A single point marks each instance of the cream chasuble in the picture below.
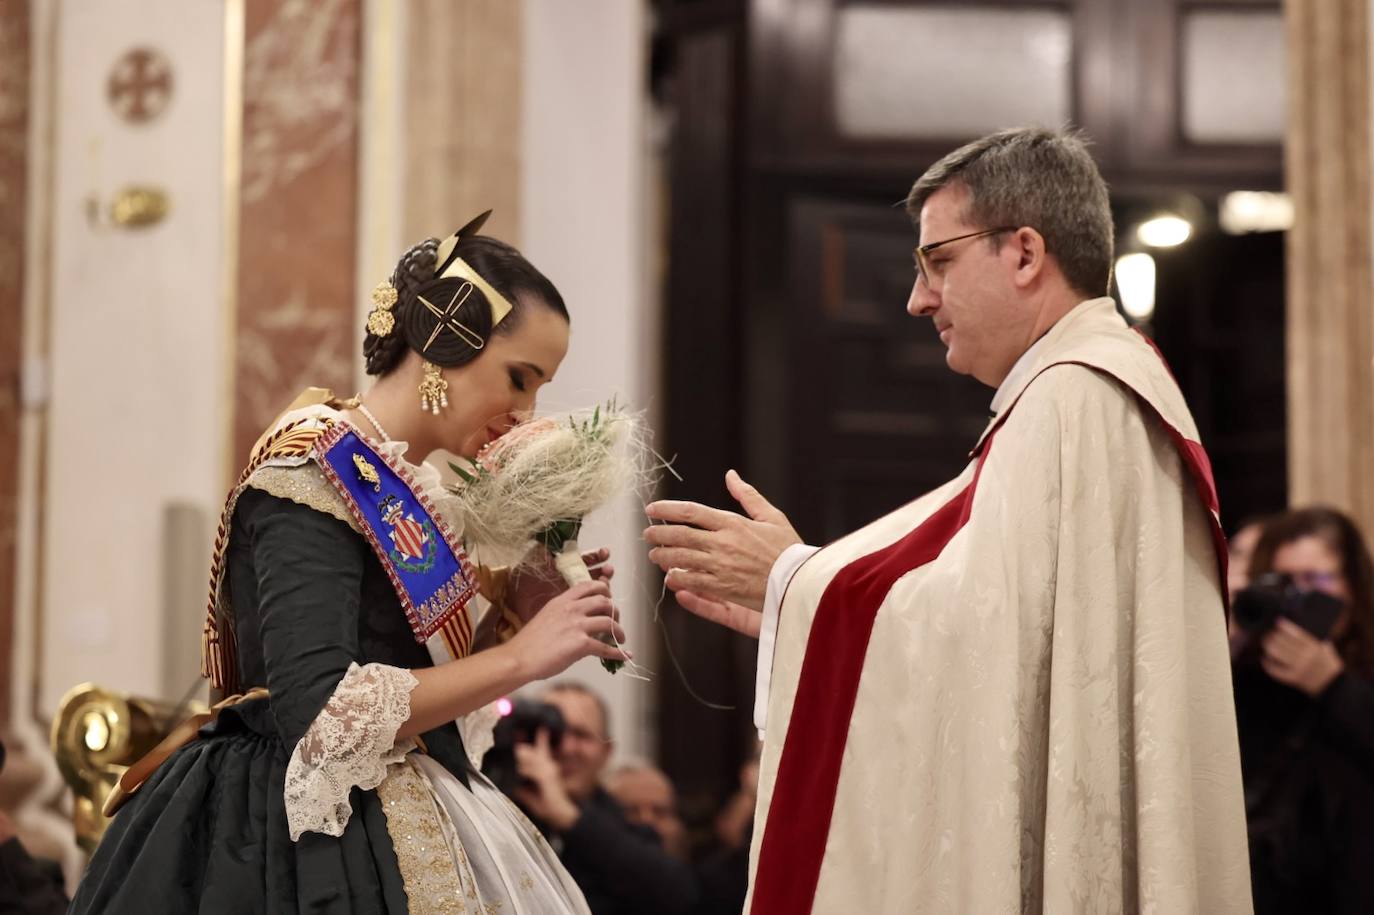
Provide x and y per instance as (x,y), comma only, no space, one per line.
(1014,694)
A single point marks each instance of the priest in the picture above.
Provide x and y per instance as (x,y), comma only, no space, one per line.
(1013,693)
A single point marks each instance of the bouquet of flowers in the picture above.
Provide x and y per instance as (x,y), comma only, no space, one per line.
(533,486)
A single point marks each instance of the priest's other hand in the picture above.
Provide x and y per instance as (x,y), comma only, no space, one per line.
(718,561)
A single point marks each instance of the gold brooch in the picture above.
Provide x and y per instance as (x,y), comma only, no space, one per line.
(366,472)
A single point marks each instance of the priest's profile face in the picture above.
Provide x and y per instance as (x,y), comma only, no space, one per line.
(969,283)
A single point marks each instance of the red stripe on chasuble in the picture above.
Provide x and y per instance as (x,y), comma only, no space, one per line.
(798,825)
(1200,467)
(1195,460)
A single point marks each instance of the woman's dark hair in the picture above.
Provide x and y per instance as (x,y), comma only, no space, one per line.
(1338,532)
(505,270)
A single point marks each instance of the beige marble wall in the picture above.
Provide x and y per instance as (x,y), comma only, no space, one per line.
(127,396)
(295,318)
(585,224)
(462,104)
(1330,331)
(14,108)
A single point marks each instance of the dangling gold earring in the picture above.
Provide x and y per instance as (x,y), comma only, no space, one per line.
(433,389)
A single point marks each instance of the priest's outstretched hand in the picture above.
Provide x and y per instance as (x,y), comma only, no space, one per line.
(718,561)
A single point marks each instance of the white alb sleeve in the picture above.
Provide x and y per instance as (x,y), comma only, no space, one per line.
(783,569)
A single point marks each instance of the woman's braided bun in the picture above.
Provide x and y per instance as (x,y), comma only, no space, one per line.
(504,269)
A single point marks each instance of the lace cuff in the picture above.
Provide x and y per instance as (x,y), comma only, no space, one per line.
(351,742)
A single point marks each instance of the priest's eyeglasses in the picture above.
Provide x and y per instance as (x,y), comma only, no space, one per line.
(934,270)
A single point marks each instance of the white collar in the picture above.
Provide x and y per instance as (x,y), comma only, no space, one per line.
(1029,362)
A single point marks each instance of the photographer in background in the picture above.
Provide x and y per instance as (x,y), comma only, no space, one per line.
(1304,681)
(621,868)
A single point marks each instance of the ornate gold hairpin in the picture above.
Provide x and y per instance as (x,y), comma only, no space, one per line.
(447,319)
(461,269)
(381,320)
(453,267)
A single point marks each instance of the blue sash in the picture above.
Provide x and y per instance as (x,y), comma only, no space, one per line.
(424,560)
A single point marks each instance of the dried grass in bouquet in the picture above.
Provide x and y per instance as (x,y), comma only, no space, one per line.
(536,483)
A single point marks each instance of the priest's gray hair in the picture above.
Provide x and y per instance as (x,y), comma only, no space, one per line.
(1036,177)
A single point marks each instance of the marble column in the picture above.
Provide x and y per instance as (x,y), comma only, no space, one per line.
(462,109)
(295,309)
(14,122)
(1330,332)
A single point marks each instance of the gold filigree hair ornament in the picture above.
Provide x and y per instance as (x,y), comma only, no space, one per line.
(380,321)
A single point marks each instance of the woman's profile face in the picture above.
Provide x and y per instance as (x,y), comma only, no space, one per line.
(496,390)
(1313,565)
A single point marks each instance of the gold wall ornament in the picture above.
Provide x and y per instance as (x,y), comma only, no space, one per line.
(97,734)
(140,85)
(137,207)
(433,389)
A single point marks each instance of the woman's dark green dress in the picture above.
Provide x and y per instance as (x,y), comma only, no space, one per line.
(208,832)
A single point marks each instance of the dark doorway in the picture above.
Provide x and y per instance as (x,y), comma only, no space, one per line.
(1219,321)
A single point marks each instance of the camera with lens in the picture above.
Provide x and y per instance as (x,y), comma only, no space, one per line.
(1273,595)
(526,719)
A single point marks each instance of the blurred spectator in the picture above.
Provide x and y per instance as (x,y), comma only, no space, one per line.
(622,868)
(1240,547)
(724,872)
(647,797)
(28,885)
(735,821)
(1305,711)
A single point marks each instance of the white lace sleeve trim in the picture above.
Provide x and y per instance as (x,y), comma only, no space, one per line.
(351,742)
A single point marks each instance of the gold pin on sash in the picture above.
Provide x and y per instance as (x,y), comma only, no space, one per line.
(366,472)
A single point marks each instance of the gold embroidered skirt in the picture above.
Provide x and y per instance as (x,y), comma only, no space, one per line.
(470,850)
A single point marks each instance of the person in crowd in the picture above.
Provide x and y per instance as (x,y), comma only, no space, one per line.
(648,798)
(1240,547)
(724,870)
(1305,711)
(622,868)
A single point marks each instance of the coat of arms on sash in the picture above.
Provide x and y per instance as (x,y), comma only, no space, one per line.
(422,557)
(412,541)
